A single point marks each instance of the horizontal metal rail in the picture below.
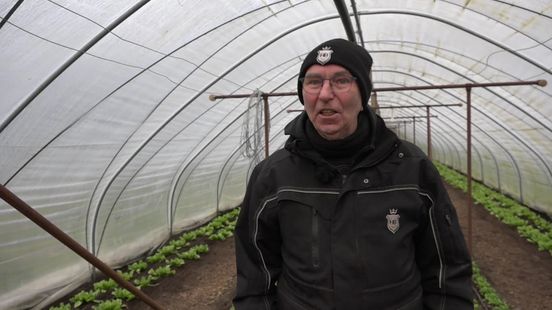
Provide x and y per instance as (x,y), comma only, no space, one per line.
(541,83)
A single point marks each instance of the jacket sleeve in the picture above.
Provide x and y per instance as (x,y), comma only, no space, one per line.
(442,252)
(257,241)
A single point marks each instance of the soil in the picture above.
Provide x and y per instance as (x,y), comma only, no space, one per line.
(520,274)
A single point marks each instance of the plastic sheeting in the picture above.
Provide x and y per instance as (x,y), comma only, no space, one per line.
(107,130)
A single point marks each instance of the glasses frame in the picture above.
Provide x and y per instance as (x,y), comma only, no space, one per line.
(332,81)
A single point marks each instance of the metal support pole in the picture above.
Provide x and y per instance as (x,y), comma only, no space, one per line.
(469,167)
(399,129)
(266,124)
(57,233)
(428,134)
(414,117)
(345,19)
(357,20)
(414,129)
(10,13)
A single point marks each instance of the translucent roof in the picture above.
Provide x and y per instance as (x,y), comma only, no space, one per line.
(106,127)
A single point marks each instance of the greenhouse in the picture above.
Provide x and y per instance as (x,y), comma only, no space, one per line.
(124,124)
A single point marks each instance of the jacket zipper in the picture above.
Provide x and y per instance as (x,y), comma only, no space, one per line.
(315,251)
(438,247)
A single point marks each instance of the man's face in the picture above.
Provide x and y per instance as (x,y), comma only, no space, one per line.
(333,114)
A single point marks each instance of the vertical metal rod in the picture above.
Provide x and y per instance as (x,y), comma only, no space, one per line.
(359,28)
(266,124)
(413,129)
(428,133)
(469,167)
(57,233)
(345,19)
(399,130)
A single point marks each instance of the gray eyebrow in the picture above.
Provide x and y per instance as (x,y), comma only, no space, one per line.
(339,73)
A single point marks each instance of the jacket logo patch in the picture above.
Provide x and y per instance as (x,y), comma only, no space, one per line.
(324,55)
(393,220)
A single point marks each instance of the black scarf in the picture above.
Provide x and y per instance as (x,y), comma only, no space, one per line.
(336,157)
(343,151)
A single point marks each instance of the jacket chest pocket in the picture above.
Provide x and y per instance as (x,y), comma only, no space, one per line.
(305,226)
(386,222)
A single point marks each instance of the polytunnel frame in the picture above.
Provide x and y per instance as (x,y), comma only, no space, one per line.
(53,77)
(456,140)
(10,13)
(505,150)
(43,86)
(392,42)
(468,79)
(514,163)
(320,20)
(240,146)
(484,38)
(406,119)
(5,123)
(95,40)
(58,72)
(176,179)
(468,87)
(105,31)
(464,29)
(146,141)
(537,154)
(478,61)
(429,141)
(342,12)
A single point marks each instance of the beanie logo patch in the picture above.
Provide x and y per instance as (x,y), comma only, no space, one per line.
(324,55)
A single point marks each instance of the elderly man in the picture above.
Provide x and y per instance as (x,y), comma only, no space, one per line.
(347,216)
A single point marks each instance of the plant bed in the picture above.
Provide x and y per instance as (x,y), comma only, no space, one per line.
(519,274)
(529,224)
(106,294)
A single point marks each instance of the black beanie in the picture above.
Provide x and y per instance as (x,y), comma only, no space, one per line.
(346,54)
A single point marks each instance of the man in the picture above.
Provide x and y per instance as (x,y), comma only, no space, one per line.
(347,216)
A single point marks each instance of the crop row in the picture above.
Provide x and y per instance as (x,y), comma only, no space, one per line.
(108,295)
(528,223)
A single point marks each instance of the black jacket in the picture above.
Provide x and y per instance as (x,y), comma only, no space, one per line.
(385,236)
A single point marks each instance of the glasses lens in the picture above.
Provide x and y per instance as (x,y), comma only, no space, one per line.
(312,84)
(340,83)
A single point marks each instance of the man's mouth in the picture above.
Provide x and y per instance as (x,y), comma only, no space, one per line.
(327,112)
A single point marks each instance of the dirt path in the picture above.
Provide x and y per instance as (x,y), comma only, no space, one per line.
(206,284)
(516,269)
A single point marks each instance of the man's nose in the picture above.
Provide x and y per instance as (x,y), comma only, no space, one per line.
(326,92)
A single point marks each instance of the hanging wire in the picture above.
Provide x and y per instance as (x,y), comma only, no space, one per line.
(252,123)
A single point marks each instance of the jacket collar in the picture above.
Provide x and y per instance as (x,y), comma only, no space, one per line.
(381,142)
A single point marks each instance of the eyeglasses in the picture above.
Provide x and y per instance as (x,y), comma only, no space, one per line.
(339,83)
